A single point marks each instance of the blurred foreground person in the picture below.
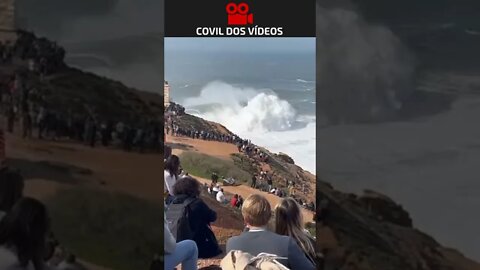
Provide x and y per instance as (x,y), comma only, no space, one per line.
(289,222)
(23,235)
(256,213)
(184,252)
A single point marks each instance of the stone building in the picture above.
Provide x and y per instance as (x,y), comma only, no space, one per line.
(166,94)
(7,21)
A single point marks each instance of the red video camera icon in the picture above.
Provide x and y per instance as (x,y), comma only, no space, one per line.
(237,14)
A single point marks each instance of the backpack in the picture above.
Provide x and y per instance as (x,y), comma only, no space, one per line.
(239,260)
(177,216)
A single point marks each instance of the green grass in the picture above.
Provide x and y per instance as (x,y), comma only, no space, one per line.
(108,229)
(204,165)
(244,163)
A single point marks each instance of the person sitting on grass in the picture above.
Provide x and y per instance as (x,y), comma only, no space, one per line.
(23,235)
(234,200)
(199,215)
(256,213)
(210,188)
(221,197)
(184,252)
(239,203)
(215,190)
(170,174)
(289,222)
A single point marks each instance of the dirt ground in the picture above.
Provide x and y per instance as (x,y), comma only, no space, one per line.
(51,166)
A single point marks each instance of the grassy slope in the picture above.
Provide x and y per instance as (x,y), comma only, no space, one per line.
(204,165)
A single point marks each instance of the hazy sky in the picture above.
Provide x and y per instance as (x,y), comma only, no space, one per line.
(240,44)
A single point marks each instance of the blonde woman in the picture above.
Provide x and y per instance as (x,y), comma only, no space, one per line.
(289,222)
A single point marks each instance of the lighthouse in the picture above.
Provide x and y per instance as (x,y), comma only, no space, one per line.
(8,32)
(166,95)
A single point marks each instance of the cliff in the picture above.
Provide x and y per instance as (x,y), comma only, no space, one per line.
(67,90)
(366,231)
(373,232)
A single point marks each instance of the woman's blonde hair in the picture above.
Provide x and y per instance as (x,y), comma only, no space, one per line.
(289,221)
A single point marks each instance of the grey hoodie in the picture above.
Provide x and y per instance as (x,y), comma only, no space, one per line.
(170,242)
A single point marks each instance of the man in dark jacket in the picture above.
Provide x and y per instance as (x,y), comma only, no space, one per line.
(254,181)
(200,217)
(256,213)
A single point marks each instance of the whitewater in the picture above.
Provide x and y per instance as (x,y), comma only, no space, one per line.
(261,116)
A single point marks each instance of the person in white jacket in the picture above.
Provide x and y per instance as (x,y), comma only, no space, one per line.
(221,197)
(184,252)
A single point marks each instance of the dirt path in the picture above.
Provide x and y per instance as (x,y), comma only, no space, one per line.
(74,164)
(217,149)
(246,191)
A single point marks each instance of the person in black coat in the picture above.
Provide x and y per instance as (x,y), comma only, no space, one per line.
(200,216)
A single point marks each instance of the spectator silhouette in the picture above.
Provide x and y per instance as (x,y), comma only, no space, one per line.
(200,216)
(256,213)
(184,252)
(11,189)
(23,233)
(289,222)
(172,166)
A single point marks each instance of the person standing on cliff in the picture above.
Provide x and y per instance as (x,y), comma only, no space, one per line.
(254,181)
(269,182)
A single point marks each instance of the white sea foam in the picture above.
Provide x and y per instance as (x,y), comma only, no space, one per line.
(261,116)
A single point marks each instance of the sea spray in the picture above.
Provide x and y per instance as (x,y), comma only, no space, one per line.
(364,72)
(261,116)
(244,109)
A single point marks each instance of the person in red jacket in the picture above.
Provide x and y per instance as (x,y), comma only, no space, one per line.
(234,200)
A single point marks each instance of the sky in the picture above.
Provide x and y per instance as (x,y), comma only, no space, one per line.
(275,45)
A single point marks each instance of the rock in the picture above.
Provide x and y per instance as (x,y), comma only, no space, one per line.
(284,157)
(385,208)
(364,242)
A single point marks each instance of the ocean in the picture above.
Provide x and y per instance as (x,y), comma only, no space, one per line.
(429,166)
(267,97)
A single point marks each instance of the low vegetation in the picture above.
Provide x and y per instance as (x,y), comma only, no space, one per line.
(244,163)
(204,165)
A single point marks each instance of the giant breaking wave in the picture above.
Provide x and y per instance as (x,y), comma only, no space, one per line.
(261,116)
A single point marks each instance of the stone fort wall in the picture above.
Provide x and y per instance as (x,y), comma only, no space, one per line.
(7,21)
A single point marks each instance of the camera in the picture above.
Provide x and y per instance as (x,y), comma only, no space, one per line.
(238,14)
